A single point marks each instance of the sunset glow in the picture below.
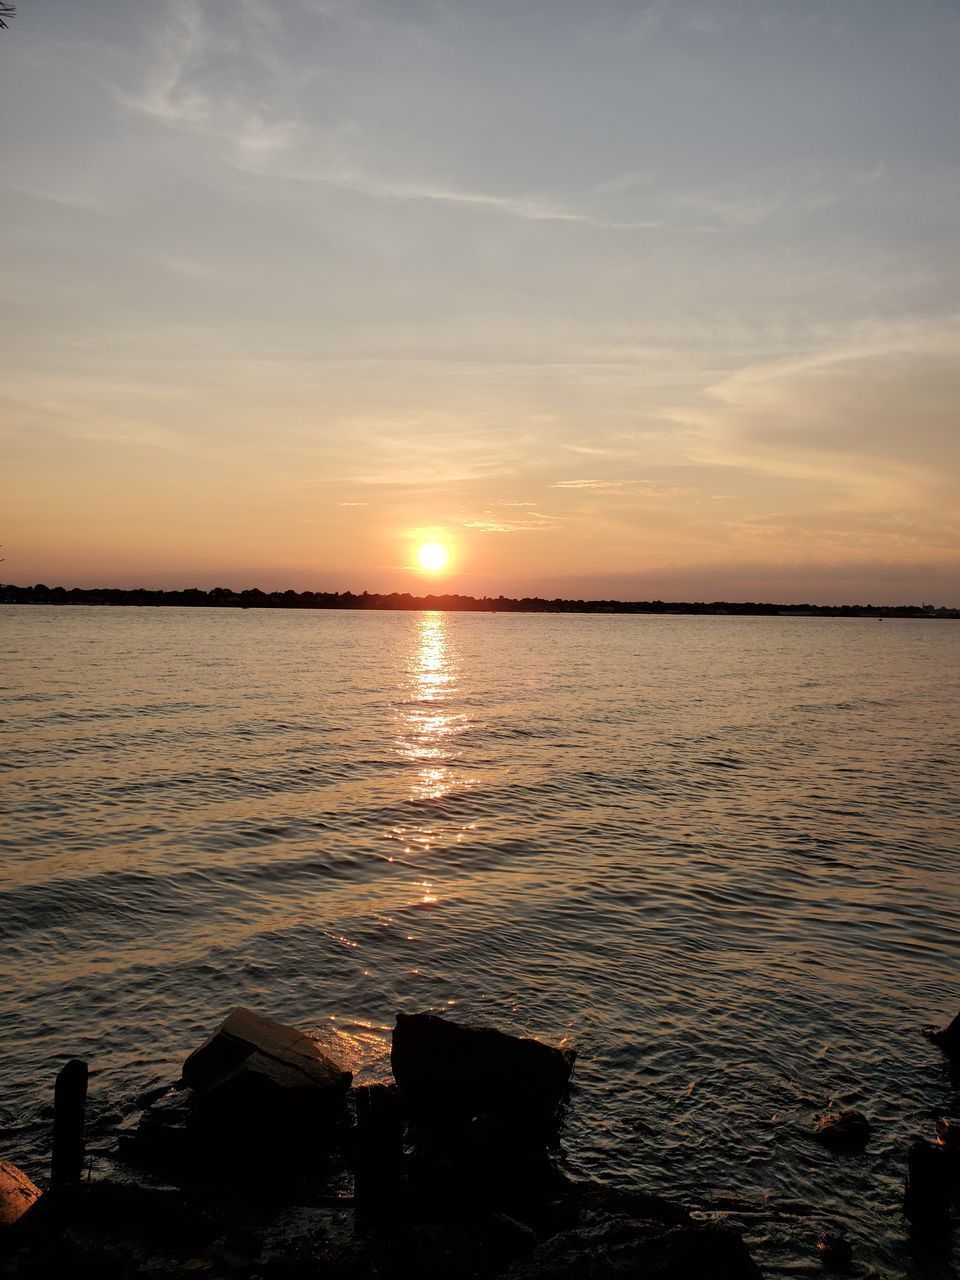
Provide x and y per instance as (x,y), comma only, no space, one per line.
(433,557)
(675,320)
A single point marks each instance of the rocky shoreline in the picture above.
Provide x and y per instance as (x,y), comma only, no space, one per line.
(265,1160)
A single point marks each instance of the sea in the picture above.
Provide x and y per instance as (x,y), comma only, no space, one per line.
(719,855)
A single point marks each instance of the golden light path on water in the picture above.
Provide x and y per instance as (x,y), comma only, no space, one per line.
(428,729)
(426,744)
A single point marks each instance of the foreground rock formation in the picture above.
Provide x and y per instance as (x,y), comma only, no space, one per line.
(452,1074)
(255,1088)
(454,1171)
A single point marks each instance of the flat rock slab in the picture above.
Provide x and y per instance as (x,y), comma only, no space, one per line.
(249,1043)
(17,1194)
(447,1070)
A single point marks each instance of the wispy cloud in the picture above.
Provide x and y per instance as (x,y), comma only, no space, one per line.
(179,89)
(637,488)
(535,523)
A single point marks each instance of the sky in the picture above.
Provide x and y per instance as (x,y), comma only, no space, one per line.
(638,300)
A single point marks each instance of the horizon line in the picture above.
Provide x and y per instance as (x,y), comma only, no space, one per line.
(227,597)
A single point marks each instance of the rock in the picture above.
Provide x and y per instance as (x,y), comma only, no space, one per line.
(596,1198)
(504,1240)
(261,1086)
(926,1200)
(158,1217)
(620,1249)
(834,1250)
(441,1250)
(17,1194)
(448,1072)
(255,1091)
(247,1043)
(843,1130)
(166,1136)
(948,1136)
(948,1038)
(378,1152)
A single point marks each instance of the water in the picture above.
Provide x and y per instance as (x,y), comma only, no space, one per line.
(718,854)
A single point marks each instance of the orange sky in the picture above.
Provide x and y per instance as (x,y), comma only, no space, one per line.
(648,304)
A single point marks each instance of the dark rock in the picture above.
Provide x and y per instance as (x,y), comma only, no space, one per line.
(623,1249)
(166,1137)
(504,1240)
(17,1194)
(598,1198)
(452,1184)
(449,1073)
(244,1243)
(378,1151)
(835,1251)
(157,1217)
(255,1090)
(843,1130)
(948,1038)
(150,1096)
(948,1136)
(248,1044)
(433,1251)
(475,1247)
(926,1199)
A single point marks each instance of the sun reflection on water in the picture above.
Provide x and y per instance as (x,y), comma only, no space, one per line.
(430,723)
(429,726)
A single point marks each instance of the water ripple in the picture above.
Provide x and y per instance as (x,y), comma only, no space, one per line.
(719,854)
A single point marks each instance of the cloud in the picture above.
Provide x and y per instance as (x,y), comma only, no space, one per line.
(638,488)
(872,423)
(198,80)
(536,523)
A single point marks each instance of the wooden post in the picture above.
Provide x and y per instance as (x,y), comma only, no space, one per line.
(69,1100)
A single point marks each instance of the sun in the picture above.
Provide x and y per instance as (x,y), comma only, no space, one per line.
(433,556)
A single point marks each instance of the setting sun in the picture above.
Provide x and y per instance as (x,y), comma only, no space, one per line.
(433,556)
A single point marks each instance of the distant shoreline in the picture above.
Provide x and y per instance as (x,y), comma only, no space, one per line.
(254,598)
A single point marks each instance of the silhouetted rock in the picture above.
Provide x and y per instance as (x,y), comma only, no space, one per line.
(378,1151)
(448,1072)
(948,1038)
(158,1217)
(166,1138)
(834,1250)
(504,1240)
(926,1199)
(247,1044)
(843,1130)
(17,1194)
(948,1136)
(266,1083)
(438,1251)
(255,1088)
(624,1249)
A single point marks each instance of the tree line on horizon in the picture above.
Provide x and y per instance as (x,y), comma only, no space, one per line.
(254,598)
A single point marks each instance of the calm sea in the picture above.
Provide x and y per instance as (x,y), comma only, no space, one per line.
(718,854)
